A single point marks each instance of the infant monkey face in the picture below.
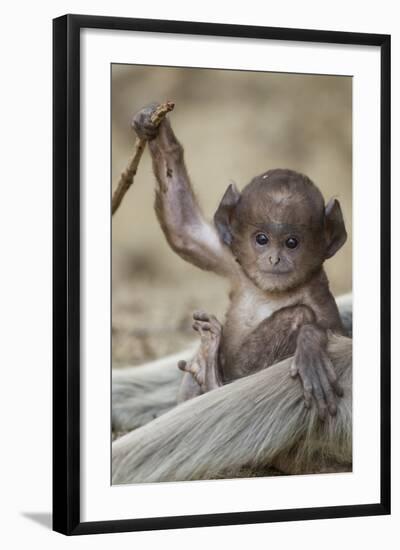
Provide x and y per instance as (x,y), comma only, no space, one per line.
(277,246)
(280,255)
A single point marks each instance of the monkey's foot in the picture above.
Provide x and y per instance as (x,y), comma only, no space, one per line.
(204,365)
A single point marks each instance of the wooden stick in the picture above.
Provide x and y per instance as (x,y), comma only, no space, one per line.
(128,175)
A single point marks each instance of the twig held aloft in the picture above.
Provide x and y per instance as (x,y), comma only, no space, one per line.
(128,175)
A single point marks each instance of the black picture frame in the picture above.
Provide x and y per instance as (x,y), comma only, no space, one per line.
(66,272)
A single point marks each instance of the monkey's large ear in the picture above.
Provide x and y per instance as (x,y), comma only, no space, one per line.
(222,216)
(336,234)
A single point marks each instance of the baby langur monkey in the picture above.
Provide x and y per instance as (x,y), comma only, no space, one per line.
(271,241)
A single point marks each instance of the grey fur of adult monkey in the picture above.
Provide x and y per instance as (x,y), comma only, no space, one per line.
(253,423)
(270,241)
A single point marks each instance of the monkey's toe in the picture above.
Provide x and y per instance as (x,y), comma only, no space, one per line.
(206,322)
(201,316)
(201,326)
(182,365)
(208,329)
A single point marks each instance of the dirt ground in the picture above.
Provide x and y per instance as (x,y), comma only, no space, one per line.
(233,126)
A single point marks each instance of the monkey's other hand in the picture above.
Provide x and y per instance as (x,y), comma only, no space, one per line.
(319,379)
(142,124)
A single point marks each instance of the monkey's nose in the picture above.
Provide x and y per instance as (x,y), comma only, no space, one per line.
(274,260)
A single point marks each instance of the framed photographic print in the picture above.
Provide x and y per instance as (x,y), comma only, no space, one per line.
(221,274)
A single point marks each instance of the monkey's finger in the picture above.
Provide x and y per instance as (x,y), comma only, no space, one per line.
(332,377)
(339,390)
(146,113)
(307,393)
(320,399)
(145,132)
(293,369)
(201,316)
(328,391)
(149,127)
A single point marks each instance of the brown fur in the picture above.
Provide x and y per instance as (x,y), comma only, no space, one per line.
(280,301)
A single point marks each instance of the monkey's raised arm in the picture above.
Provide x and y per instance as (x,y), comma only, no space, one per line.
(181,219)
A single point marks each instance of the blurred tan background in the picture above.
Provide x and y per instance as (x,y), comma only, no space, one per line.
(233,125)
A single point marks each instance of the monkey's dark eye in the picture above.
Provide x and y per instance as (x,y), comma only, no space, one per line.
(291,242)
(261,239)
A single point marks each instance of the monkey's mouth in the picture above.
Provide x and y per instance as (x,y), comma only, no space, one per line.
(276,272)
